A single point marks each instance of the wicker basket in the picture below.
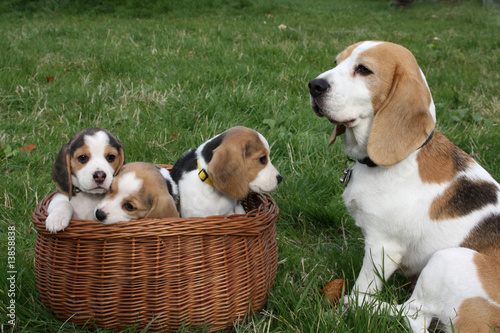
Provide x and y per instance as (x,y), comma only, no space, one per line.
(159,273)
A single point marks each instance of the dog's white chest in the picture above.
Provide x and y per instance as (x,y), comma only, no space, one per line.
(84,205)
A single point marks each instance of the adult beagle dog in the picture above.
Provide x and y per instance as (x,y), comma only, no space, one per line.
(140,190)
(83,172)
(222,171)
(424,205)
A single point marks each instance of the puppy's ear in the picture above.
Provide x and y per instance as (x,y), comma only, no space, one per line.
(228,171)
(403,122)
(121,158)
(338,130)
(163,206)
(61,171)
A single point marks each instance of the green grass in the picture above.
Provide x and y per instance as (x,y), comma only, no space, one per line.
(164,77)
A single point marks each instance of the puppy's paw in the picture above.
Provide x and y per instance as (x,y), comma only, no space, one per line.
(58,220)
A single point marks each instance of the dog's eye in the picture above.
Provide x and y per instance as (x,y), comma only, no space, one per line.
(362,70)
(263,159)
(128,206)
(110,158)
(83,159)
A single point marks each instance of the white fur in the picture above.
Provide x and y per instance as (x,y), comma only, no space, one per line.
(391,205)
(205,200)
(61,210)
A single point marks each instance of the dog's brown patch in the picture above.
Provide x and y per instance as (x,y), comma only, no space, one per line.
(440,160)
(477,315)
(119,157)
(462,197)
(488,269)
(75,164)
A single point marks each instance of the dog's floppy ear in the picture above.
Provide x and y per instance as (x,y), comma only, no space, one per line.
(61,171)
(403,122)
(121,158)
(163,206)
(338,130)
(228,171)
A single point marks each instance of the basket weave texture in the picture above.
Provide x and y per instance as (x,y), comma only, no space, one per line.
(159,273)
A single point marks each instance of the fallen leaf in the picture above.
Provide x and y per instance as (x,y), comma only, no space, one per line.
(27,148)
(50,79)
(333,291)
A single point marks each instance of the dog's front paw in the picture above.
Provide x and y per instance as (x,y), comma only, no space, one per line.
(58,220)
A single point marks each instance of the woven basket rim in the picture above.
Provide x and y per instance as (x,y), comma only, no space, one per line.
(250,224)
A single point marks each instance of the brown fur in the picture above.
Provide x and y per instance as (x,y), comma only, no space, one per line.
(476,315)
(440,160)
(235,163)
(401,103)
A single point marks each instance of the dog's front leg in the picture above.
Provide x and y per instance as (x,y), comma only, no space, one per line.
(59,212)
(379,262)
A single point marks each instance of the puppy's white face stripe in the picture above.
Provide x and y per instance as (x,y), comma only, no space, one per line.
(97,144)
(128,185)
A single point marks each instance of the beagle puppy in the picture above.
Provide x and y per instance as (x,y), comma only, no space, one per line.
(83,172)
(424,205)
(140,190)
(222,171)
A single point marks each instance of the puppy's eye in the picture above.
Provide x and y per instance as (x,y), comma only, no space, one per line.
(362,70)
(83,159)
(110,158)
(128,206)
(263,159)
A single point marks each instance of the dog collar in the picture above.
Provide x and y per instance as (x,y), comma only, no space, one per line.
(203,174)
(368,162)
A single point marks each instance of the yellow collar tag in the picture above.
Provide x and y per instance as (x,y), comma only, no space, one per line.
(204,175)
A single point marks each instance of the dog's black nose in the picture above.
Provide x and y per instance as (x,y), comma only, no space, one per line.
(100,215)
(318,87)
(279,178)
(99,177)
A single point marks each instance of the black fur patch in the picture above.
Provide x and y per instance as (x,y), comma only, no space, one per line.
(436,326)
(186,163)
(472,195)
(211,145)
(485,235)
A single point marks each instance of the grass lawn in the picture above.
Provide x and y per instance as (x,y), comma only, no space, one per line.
(166,77)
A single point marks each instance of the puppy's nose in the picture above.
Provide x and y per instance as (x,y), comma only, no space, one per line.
(279,178)
(100,215)
(99,177)
(318,87)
